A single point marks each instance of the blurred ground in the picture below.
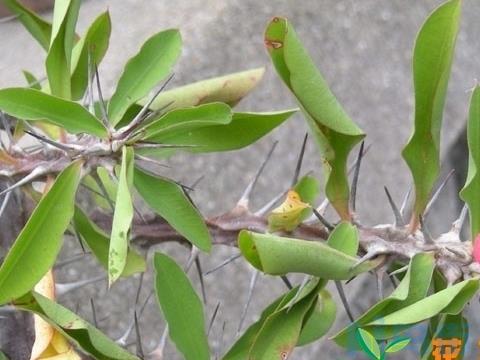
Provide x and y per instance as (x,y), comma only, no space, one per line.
(364,51)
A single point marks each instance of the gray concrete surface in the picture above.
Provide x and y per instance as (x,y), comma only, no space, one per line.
(364,50)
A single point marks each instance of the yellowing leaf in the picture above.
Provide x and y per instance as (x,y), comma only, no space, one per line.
(49,343)
(289,214)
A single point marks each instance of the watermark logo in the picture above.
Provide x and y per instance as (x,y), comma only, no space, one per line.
(446,349)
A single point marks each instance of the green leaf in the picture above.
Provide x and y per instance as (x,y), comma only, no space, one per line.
(413,287)
(182,309)
(229,89)
(277,331)
(31,80)
(33,105)
(58,62)
(99,243)
(122,218)
(277,255)
(471,191)
(308,188)
(169,201)
(94,42)
(180,121)
(243,130)
(344,238)
(397,345)
(77,330)
(432,60)
(368,343)
(3,356)
(38,28)
(37,246)
(448,301)
(145,70)
(334,131)
(320,320)
(448,327)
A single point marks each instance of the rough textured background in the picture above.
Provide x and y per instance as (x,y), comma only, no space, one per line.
(364,50)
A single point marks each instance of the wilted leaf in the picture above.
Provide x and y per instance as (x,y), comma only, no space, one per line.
(180,121)
(169,201)
(80,332)
(30,104)
(122,218)
(432,60)
(145,70)
(93,43)
(288,215)
(334,131)
(471,191)
(181,308)
(277,255)
(99,243)
(36,247)
(229,89)
(38,28)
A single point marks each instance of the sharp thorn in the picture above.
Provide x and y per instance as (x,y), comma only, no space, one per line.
(141,114)
(343,298)
(457,224)
(198,266)
(5,202)
(103,107)
(138,345)
(150,160)
(368,256)
(191,259)
(39,171)
(437,194)
(245,198)
(298,167)
(268,206)
(157,353)
(196,182)
(220,341)
(398,216)
(253,281)
(104,191)
(287,282)
(212,319)
(324,221)
(356,173)
(399,271)
(6,127)
(9,18)
(403,207)
(148,145)
(223,263)
(379,277)
(426,234)
(48,141)
(71,260)
(94,313)
(90,73)
(62,289)
(304,283)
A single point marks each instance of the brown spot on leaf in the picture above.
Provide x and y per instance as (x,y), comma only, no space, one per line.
(273,44)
